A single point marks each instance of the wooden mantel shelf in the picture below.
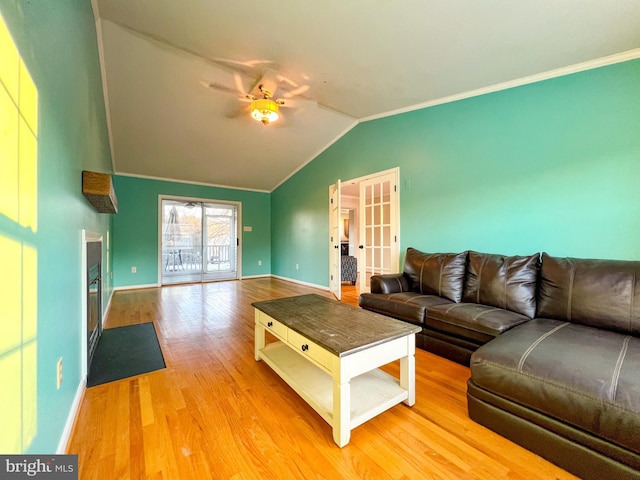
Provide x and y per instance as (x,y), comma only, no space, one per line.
(98,189)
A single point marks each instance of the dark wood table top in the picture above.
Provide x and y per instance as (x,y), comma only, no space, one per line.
(340,328)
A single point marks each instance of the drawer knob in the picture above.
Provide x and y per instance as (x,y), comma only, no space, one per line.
(269,324)
(305,347)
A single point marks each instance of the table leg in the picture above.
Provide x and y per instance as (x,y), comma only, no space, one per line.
(259,340)
(341,412)
(408,371)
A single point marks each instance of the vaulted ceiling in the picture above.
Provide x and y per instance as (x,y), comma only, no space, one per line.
(176,73)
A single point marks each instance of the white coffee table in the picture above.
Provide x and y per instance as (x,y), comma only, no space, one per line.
(329,353)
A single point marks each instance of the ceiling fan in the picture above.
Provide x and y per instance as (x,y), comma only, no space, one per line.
(265,107)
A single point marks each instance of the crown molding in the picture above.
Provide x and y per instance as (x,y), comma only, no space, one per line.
(539,77)
(174,180)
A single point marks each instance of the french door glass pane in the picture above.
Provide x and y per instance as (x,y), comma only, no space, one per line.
(378,239)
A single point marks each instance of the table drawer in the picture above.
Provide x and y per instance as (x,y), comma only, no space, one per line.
(310,349)
(273,325)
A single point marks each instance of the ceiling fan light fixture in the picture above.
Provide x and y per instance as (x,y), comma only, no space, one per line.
(264,110)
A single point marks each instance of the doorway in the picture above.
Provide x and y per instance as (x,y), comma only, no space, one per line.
(199,240)
(94,296)
(368,219)
(92,280)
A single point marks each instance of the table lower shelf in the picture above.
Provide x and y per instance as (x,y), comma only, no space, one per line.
(371,393)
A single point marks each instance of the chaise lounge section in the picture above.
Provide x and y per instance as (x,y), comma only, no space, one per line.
(566,385)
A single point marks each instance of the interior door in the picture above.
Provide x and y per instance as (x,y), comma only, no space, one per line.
(379,242)
(334,239)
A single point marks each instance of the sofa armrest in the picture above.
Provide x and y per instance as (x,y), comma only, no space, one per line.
(390,283)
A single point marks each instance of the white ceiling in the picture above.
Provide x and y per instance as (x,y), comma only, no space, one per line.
(360,59)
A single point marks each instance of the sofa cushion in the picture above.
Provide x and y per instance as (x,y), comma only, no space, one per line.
(504,282)
(471,321)
(408,306)
(439,274)
(583,376)
(599,293)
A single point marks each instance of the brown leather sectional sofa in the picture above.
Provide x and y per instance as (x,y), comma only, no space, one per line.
(553,346)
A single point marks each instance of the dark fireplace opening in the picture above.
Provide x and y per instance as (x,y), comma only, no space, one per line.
(94,297)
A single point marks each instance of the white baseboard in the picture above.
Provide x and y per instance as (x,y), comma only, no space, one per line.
(105,314)
(286,279)
(63,444)
(136,287)
(300,282)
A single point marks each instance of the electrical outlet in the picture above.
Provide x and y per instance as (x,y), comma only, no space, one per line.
(134,269)
(259,263)
(59,374)
(297,267)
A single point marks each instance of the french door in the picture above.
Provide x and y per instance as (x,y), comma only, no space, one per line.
(379,211)
(199,241)
(378,202)
(334,240)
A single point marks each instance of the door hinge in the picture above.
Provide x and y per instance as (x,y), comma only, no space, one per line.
(331,201)
(331,277)
(395,188)
(332,239)
(237,242)
(395,238)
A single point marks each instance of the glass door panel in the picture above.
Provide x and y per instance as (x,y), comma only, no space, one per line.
(181,242)
(220,239)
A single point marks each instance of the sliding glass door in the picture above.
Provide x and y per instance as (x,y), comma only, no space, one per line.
(199,241)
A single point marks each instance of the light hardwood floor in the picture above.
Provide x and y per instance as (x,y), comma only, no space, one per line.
(216,413)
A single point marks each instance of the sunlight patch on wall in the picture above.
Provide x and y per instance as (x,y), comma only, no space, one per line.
(18,345)
(18,256)
(18,127)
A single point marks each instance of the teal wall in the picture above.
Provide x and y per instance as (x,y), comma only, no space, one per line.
(135,228)
(552,166)
(57,43)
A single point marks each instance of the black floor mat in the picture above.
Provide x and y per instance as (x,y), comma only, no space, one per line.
(124,352)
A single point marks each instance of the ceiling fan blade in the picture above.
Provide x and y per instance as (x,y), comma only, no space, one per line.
(301,103)
(298,91)
(218,86)
(237,110)
(239,84)
(248,67)
(287,80)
